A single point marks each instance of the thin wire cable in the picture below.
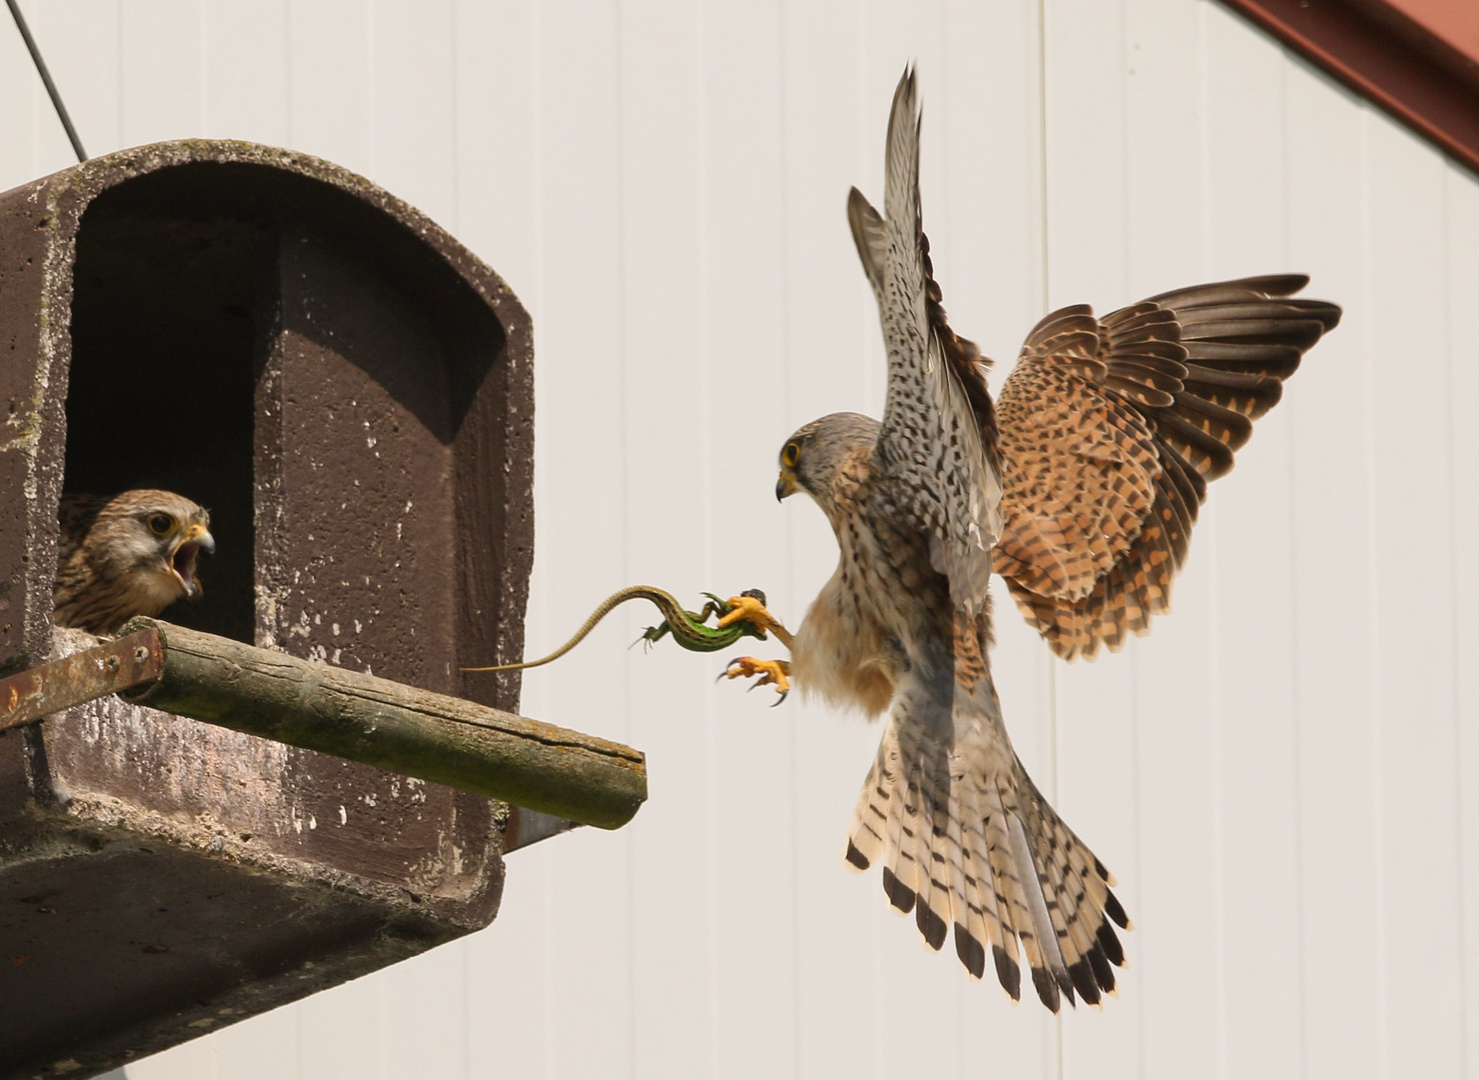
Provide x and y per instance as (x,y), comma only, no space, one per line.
(56,98)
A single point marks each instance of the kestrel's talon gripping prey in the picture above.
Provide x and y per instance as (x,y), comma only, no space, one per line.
(772,673)
(747,607)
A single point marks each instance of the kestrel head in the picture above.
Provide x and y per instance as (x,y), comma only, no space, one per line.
(812,458)
(126,555)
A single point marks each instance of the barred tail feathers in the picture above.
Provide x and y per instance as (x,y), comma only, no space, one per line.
(969,845)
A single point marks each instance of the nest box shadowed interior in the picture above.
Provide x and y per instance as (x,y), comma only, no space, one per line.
(349,392)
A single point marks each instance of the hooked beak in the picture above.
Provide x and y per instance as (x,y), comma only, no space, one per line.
(786,485)
(182,560)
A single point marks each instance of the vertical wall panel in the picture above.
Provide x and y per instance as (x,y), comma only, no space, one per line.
(246,70)
(341,1033)
(413,102)
(1461,201)
(1414,600)
(21,87)
(1342,944)
(1246,167)
(586,918)
(1084,108)
(665,426)
(330,47)
(161,90)
(270,1046)
(751,839)
(496,65)
(80,41)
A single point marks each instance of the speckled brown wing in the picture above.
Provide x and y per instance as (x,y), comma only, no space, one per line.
(1109,430)
(932,457)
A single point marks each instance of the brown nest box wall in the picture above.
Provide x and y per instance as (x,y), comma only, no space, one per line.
(349,391)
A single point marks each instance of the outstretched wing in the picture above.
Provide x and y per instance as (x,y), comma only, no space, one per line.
(1109,431)
(969,845)
(932,457)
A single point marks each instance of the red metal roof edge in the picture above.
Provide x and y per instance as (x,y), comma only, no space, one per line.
(1374,48)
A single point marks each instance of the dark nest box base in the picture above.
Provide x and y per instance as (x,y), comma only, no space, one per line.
(349,392)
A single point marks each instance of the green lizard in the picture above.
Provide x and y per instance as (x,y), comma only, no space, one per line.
(740,616)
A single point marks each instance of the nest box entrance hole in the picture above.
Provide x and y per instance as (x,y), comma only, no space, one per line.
(166,348)
(330,388)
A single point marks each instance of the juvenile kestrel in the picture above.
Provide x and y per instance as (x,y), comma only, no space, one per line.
(126,555)
(1080,488)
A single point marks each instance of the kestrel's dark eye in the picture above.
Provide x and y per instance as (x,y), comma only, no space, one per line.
(161,524)
(791,454)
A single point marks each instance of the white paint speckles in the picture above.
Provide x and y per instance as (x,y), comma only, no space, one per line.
(343,816)
(334,629)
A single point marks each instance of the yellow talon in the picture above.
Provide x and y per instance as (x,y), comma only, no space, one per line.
(772,673)
(751,609)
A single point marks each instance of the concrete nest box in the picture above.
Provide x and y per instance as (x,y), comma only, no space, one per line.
(349,392)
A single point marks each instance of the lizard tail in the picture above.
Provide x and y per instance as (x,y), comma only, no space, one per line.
(666,603)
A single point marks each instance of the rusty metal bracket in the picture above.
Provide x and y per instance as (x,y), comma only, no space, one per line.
(122,664)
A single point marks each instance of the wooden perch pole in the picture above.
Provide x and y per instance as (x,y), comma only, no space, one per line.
(429,736)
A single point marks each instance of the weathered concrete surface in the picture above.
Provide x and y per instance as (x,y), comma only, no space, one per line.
(350,392)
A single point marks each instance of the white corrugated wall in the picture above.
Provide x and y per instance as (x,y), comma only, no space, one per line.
(1284,775)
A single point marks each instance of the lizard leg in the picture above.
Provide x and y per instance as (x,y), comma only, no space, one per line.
(772,673)
(751,609)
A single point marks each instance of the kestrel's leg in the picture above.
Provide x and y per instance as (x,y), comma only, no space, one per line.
(772,673)
(751,609)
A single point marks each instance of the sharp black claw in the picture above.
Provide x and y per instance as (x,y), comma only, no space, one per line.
(780,699)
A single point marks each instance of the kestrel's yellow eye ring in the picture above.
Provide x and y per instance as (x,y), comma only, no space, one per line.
(161,524)
(790,455)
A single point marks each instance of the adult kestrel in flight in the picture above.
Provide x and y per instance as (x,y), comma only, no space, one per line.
(1079,487)
(126,555)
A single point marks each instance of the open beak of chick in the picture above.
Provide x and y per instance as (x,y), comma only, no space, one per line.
(193,541)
